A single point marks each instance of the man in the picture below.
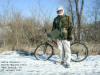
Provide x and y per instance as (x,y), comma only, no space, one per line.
(64,24)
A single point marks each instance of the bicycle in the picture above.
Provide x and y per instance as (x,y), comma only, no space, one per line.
(44,51)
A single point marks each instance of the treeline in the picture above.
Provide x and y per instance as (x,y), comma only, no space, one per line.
(89,32)
(18,31)
(28,31)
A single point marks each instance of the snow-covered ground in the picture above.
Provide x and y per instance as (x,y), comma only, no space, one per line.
(11,63)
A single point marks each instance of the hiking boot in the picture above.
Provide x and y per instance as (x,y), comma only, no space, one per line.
(67,65)
(59,62)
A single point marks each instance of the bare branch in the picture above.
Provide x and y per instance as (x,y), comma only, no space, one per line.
(81,12)
(72,14)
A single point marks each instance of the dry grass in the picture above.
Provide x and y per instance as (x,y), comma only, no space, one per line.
(94,49)
(10,48)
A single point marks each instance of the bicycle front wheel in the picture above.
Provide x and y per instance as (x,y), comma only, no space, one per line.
(79,51)
(43,51)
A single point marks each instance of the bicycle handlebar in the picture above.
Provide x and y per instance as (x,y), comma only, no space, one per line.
(45,30)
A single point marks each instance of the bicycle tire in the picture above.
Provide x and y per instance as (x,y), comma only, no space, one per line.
(80,57)
(48,53)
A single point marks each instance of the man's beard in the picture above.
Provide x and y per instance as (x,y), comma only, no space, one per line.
(61,13)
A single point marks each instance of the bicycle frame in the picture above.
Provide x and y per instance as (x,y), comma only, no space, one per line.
(51,43)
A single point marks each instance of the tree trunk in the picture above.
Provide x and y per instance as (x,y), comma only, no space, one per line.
(79,15)
(71,10)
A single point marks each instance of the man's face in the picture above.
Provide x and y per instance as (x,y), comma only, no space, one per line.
(60,12)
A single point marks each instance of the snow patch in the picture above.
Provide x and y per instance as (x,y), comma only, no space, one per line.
(28,65)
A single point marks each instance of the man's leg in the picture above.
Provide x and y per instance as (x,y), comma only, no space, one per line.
(67,50)
(60,51)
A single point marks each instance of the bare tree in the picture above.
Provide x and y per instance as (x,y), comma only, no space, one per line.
(79,15)
(74,5)
(71,10)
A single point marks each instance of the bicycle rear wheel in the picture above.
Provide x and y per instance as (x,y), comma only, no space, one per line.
(79,51)
(43,51)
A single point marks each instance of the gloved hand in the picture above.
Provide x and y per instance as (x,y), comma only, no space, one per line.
(70,28)
(69,38)
(62,35)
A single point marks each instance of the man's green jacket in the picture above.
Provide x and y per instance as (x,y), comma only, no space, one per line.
(64,24)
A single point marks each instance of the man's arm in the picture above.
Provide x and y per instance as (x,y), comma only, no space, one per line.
(54,25)
(70,30)
(70,25)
